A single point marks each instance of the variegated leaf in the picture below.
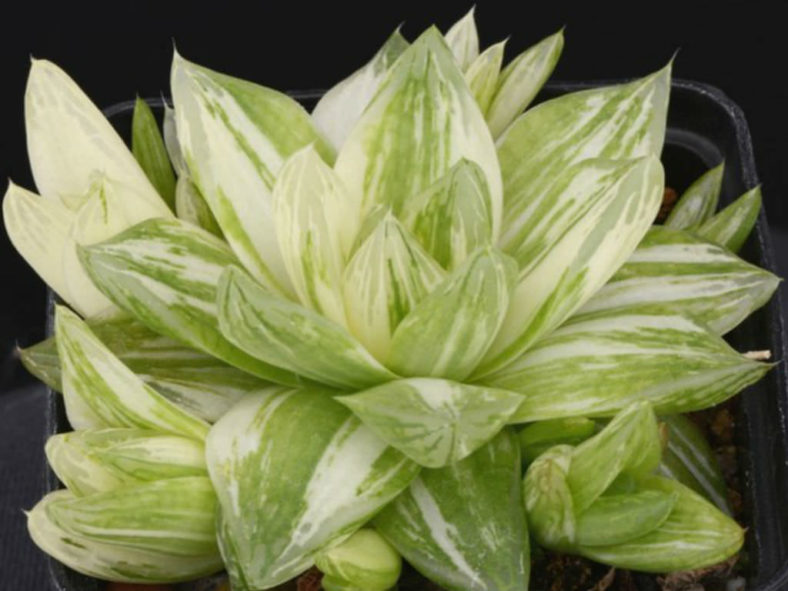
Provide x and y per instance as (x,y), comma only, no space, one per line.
(195,381)
(695,535)
(463,40)
(68,140)
(673,272)
(164,273)
(422,120)
(148,148)
(386,277)
(338,110)
(614,122)
(521,80)
(170,133)
(699,202)
(191,207)
(536,438)
(463,526)
(99,391)
(688,458)
(235,136)
(133,534)
(364,561)
(99,460)
(601,365)
(453,217)
(731,226)
(289,336)
(434,422)
(284,496)
(607,207)
(448,332)
(483,74)
(316,222)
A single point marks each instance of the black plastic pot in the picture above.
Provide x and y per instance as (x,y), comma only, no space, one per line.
(704,127)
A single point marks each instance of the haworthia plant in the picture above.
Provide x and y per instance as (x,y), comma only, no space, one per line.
(286,497)
(363,562)
(463,526)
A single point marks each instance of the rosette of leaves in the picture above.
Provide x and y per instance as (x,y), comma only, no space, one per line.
(364,298)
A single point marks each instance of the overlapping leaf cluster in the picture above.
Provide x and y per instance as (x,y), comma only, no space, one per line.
(364,302)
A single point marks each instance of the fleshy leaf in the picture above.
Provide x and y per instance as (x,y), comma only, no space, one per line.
(99,391)
(463,526)
(316,223)
(195,381)
(521,80)
(613,122)
(620,200)
(164,273)
(538,437)
(434,422)
(731,226)
(289,336)
(447,333)
(271,527)
(235,136)
(453,217)
(148,148)
(68,140)
(483,74)
(601,365)
(133,534)
(170,133)
(422,120)
(99,460)
(386,277)
(338,110)
(673,272)
(699,202)
(463,40)
(191,207)
(365,562)
(689,459)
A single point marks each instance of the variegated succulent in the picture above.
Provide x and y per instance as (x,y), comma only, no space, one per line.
(367,303)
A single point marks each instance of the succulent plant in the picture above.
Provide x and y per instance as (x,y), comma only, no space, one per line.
(367,303)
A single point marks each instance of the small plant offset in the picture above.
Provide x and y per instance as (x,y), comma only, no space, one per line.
(421,323)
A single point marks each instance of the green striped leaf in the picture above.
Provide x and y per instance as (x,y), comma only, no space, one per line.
(695,535)
(286,497)
(521,80)
(170,133)
(164,273)
(463,40)
(619,202)
(613,122)
(191,207)
(289,336)
(235,136)
(99,460)
(538,437)
(447,333)
(195,381)
(316,222)
(483,74)
(433,422)
(338,110)
(68,140)
(363,562)
(422,120)
(673,272)
(157,532)
(598,366)
(731,226)
(463,526)
(453,217)
(148,148)
(689,459)
(99,391)
(386,277)
(699,202)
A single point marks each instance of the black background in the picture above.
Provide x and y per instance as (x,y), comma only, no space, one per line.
(118,49)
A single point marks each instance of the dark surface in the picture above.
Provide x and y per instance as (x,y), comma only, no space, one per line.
(117,50)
